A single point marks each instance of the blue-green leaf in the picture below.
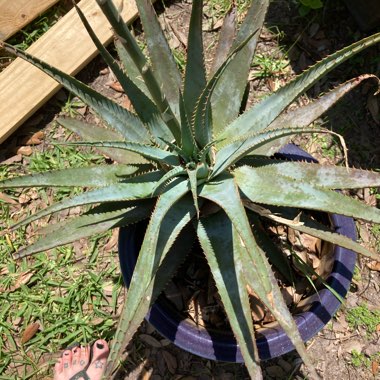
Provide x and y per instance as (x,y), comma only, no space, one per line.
(195,74)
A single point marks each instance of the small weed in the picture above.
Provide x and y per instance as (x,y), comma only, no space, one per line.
(71,106)
(33,31)
(268,67)
(362,316)
(358,359)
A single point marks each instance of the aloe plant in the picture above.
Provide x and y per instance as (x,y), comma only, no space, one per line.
(187,146)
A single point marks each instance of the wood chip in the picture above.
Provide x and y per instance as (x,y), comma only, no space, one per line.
(30,332)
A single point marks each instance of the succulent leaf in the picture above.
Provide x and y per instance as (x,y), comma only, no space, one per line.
(139,187)
(164,66)
(93,176)
(203,122)
(307,225)
(256,268)
(226,38)
(281,191)
(322,176)
(188,143)
(87,225)
(195,74)
(303,116)
(141,62)
(264,113)
(229,91)
(234,151)
(220,246)
(172,213)
(148,151)
(145,108)
(92,132)
(130,67)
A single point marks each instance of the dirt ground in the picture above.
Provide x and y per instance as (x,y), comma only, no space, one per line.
(305,40)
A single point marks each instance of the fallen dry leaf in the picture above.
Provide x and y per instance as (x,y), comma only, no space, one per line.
(148,339)
(12,160)
(25,150)
(30,332)
(23,198)
(35,139)
(171,361)
(375,368)
(112,242)
(116,86)
(7,199)
(374,265)
(22,279)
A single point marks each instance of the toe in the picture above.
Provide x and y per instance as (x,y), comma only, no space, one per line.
(76,355)
(58,368)
(83,357)
(100,352)
(66,361)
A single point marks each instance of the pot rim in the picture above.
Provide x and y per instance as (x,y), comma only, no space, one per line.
(272,341)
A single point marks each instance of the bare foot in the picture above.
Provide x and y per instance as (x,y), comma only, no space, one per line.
(75,363)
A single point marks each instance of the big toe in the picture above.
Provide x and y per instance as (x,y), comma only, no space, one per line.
(100,351)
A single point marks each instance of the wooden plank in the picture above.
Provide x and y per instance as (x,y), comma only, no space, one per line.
(15,14)
(67,46)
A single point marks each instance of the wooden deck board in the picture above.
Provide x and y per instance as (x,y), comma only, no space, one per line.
(24,88)
(15,14)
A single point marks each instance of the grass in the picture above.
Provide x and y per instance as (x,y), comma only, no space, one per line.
(60,291)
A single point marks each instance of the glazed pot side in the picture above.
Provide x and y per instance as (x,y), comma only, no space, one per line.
(272,342)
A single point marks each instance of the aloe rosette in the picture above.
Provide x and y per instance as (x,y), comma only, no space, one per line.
(195,166)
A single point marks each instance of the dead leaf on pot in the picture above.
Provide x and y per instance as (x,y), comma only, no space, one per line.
(30,332)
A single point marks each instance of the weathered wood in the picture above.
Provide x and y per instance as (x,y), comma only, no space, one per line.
(15,14)
(67,46)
